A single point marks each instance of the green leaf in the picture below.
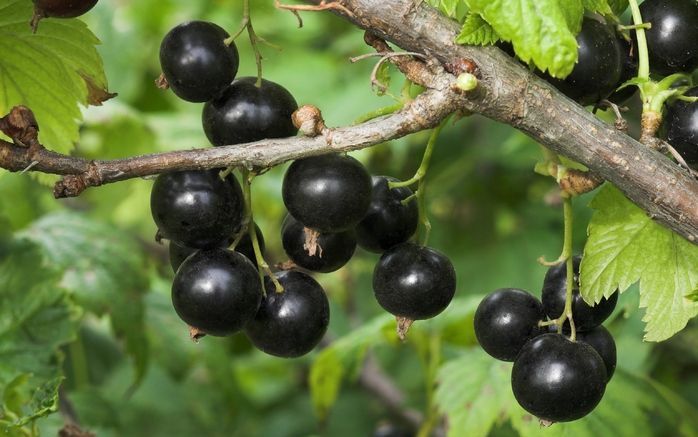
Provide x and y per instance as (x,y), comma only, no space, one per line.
(36,319)
(103,268)
(598,6)
(447,7)
(474,392)
(618,6)
(625,246)
(51,72)
(333,363)
(476,31)
(541,31)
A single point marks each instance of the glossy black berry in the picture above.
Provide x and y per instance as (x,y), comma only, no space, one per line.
(196,208)
(292,323)
(328,193)
(178,252)
(598,69)
(672,41)
(681,128)
(505,320)
(388,221)
(413,281)
(334,249)
(602,341)
(216,291)
(196,61)
(63,8)
(558,380)
(554,293)
(246,113)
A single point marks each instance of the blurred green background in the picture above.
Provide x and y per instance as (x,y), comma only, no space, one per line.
(130,368)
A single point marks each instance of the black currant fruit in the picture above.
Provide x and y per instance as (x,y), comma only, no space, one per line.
(554,293)
(598,69)
(245,113)
(505,320)
(333,250)
(602,341)
(413,281)
(291,323)
(558,380)
(328,193)
(216,291)
(672,41)
(178,252)
(196,61)
(681,128)
(388,221)
(63,8)
(197,208)
(628,57)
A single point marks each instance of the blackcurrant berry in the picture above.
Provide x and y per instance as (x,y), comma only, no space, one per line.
(672,39)
(197,208)
(63,8)
(388,221)
(291,323)
(245,113)
(681,128)
(216,291)
(554,294)
(505,320)
(602,341)
(558,380)
(598,69)
(328,193)
(196,61)
(333,250)
(178,252)
(413,281)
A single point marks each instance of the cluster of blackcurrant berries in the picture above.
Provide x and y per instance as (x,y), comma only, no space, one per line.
(554,377)
(607,60)
(333,204)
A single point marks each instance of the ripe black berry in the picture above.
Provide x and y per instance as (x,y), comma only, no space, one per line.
(602,341)
(196,61)
(505,320)
(413,281)
(333,250)
(197,208)
(328,193)
(558,380)
(178,252)
(216,291)
(671,41)
(553,297)
(598,69)
(246,113)
(388,222)
(63,8)
(292,323)
(681,128)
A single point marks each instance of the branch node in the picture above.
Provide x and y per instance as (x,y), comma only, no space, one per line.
(20,125)
(308,120)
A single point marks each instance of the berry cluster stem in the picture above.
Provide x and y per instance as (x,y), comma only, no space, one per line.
(247,177)
(567,253)
(643,71)
(419,178)
(254,38)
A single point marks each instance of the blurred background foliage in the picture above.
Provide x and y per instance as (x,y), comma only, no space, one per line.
(85,276)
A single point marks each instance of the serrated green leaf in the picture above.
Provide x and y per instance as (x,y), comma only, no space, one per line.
(36,319)
(103,268)
(541,31)
(598,6)
(618,6)
(625,246)
(476,31)
(474,392)
(51,72)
